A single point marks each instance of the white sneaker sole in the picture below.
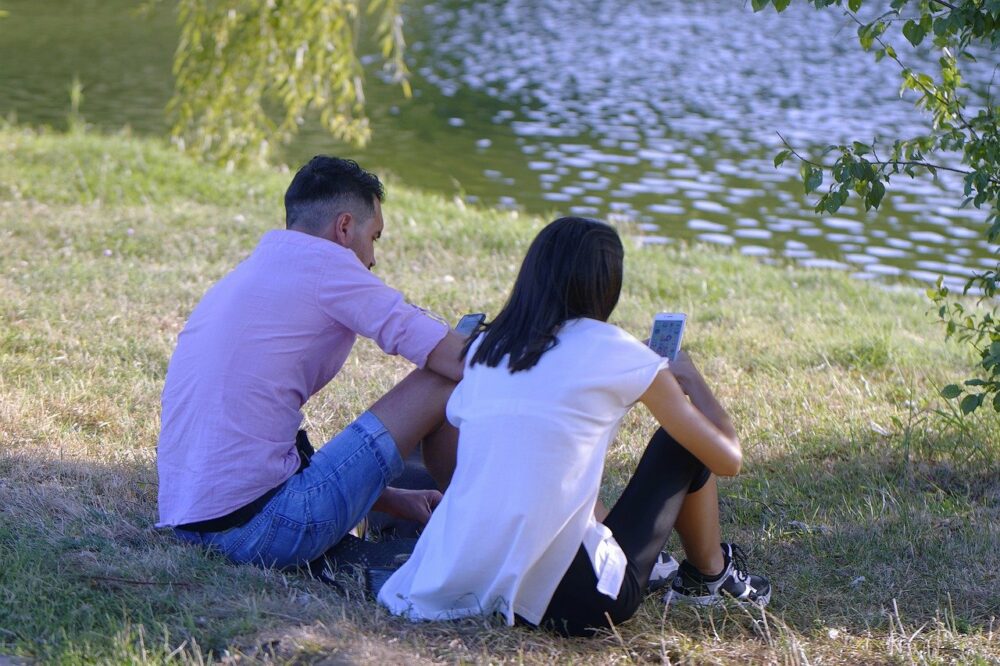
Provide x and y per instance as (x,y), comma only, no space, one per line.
(672,597)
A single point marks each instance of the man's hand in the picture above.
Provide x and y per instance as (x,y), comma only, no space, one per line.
(408,504)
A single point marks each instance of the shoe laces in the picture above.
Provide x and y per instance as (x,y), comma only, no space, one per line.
(739,559)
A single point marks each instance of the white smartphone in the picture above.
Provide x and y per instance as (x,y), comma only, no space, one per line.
(668,330)
(468,324)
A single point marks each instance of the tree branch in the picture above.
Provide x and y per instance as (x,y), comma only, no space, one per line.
(925,165)
(796,154)
(945,4)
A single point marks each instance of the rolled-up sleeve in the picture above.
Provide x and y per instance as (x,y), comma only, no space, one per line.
(357,299)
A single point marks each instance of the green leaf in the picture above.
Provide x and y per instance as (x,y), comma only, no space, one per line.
(970,403)
(865,37)
(875,194)
(781,5)
(926,22)
(951,391)
(940,25)
(780,158)
(813,179)
(855,5)
(759,4)
(996,402)
(914,32)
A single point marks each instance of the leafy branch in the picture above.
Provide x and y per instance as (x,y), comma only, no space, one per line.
(247,78)
(914,31)
(859,169)
(790,151)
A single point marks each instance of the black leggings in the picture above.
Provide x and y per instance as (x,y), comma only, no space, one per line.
(641,522)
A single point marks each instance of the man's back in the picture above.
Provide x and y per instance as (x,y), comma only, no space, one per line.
(261,342)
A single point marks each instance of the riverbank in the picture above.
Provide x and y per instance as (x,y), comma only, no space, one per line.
(876,520)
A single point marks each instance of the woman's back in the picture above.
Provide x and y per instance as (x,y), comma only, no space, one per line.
(530,461)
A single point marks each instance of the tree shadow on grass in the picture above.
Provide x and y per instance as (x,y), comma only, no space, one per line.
(857,542)
(86,577)
(86,574)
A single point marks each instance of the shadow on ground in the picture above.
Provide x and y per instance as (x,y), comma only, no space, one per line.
(853,542)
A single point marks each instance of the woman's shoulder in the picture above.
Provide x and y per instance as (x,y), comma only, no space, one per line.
(608,356)
(601,336)
(594,328)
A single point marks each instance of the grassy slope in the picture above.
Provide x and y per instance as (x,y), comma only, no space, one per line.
(106,243)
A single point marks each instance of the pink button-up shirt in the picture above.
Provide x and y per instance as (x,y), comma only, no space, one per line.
(263,340)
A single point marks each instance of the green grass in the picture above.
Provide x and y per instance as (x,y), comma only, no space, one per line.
(877,519)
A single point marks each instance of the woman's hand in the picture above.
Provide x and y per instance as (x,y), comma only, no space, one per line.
(408,504)
(685,372)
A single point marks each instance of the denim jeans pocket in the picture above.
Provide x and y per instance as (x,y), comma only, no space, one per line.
(289,543)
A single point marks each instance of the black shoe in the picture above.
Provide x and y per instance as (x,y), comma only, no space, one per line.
(691,586)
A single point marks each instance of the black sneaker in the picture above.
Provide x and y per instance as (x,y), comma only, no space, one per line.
(691,586)
(664,570)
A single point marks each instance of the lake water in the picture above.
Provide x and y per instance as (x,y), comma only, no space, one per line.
(663,113)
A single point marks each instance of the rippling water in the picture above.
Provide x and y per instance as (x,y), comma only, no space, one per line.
(668,113)
(663,113)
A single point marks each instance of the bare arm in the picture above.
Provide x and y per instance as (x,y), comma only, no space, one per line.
(446,358)
(701,425)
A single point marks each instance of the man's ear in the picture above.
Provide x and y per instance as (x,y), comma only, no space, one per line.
(342,228)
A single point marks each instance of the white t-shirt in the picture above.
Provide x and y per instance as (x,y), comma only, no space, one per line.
(530,459)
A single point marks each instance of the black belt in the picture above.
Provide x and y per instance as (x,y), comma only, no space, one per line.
(245,514)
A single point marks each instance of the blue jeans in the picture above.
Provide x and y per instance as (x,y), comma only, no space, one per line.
(317,506)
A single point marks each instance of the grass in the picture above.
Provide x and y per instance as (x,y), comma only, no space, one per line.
(876,518)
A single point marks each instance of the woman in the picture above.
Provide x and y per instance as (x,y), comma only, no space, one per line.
(545,387)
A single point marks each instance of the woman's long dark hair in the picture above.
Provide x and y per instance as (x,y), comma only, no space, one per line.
(573,269)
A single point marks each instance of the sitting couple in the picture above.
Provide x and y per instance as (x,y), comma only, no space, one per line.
(540,392)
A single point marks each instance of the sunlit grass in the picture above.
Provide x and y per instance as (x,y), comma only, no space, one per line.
(876,519)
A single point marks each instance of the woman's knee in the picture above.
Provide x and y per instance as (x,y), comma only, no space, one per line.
(678,457)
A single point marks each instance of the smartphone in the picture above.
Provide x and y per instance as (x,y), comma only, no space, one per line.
(375,578)
(668,329)
(468,324)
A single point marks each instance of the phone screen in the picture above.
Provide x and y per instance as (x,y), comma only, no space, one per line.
(668,330)
(469,322)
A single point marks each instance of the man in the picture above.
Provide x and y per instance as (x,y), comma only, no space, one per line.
(263,340)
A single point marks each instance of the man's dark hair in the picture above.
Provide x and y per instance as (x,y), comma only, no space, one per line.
(326,186)
(572,269)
